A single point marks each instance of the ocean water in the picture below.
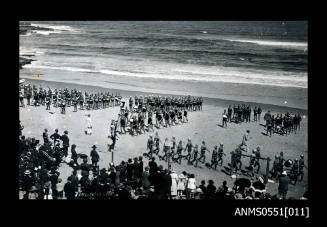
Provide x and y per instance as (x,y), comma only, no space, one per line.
(264,53)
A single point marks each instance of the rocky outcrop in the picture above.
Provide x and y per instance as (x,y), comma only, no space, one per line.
(24,61)
(25,27)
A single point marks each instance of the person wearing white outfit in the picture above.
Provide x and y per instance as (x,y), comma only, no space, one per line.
(174,179)
(181,184)
(191,186)
(89,125)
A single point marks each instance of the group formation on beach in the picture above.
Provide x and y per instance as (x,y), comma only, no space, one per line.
(63,98)
(241,113)
(39,163)
(145,113)
(279,124)
(282,124)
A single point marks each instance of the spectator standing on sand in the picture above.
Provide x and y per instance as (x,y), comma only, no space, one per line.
(65,143)
(283,185)
(225,119)
(229,113)
(55,136)
(301,167)
(255,114)
(94,156)
(259,113)
(191,186)
(245,140)
(21,99)
(174,179)
(181,183)
(88,125)
(21,127)
(45,136)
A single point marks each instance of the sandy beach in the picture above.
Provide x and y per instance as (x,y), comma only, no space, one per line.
(202,125)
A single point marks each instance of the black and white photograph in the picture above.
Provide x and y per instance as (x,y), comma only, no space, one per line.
(163,110)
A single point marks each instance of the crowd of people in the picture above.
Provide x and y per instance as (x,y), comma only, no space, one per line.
(145,113)
(39,164)
(282,124)
(131,179)
(240,113)
(63,98)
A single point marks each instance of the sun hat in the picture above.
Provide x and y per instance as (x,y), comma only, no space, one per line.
(27,172)
(284,173)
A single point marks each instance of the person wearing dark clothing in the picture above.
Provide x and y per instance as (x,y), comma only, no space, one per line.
(229,113)
(214,158)
(140,166)
(301,167)
(48,102)
(45,136)
(85,166)
(74,179)
(27,183)
(259,113)
(167,184)
(70,189)
(255,114)
(269,125)
(203,187)
(284,180)
(211,190)
(257,160)
(85,184)
(54,178)
(55,136)
(136,169)
(65,143)
(203,151)
(129,170)
(74,155)
(220,154)
(153,169)
(57,154)
(94,156)
(295,171)
(145,178)
(112,175)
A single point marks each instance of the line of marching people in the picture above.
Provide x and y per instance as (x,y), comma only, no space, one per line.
(63,98)
(176,152)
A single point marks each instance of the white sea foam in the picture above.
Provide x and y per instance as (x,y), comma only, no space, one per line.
(285,79)
(25,51)
(56,29)
(272,43)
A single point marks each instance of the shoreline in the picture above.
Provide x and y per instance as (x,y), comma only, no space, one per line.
(126,93)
